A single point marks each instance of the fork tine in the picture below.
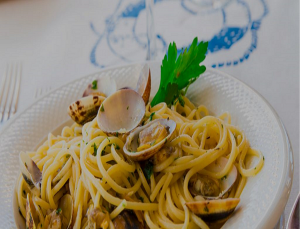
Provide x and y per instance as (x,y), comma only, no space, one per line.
(5,92)
(5,73)
(16,91)
(14,70)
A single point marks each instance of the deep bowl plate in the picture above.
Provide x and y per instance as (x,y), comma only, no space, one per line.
(265,195)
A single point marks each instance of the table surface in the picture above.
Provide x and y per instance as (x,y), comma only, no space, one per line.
(256,41)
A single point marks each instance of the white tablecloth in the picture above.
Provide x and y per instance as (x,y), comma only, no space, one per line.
(256,41)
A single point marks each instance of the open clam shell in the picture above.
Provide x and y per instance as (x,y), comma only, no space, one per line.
(104,86)
(31,215)
(144,83)
(31,173)
(121,112)
(210,188)
(132,141)
(66,206)
(213,210)
(85,109)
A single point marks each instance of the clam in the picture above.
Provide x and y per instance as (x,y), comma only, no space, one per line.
(31,214)
(104,86)
(85,109)
(97,218)
(143,86)
(121,112)
(145,141)
(213,210)
(53,220)
(210,188)
(127,219)
(31,173)
(66,206)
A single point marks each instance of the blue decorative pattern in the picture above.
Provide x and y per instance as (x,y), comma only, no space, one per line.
(225,39)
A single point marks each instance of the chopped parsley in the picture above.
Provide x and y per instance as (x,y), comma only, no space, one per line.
(127,107)
(68,155)
(263,157)
(117,134)
(224,177)
(117,146)
(95,149)
(141,199)
(148,169)
(222,126)
(94,85)
(181,101)
(58,211)
(124,205)
(206,209)
(152,143)
(102,108)
(151,116)
(103,151)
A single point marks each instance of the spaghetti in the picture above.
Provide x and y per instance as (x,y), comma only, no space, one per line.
(91,166)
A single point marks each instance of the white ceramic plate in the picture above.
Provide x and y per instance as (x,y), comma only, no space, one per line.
(264,196)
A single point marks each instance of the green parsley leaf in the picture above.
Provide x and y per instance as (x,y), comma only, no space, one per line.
(102,108)
(181,101)
(95,149)
(151,116)
(148,169)
(177,73)
(224,177)
(206,209)
(58,211)
(68,155)
(94,85)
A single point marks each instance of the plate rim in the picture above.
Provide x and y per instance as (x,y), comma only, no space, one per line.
(283,191)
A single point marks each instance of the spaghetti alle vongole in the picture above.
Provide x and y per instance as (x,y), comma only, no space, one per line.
(128,163)
(92,167)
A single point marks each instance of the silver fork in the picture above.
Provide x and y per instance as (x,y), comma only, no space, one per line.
(41,91)
(9,92)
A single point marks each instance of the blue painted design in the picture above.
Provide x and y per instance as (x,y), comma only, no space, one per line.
(224,39)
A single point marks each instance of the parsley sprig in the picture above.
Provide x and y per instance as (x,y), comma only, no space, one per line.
(94,85)
(178,73)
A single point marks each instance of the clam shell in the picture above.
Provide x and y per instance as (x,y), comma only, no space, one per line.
(31,215)
(144,83)
(131,145)
(226,182)
(85,109)
(66,206)
(105,86)
(31,173)
(121,112)
(213,210)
